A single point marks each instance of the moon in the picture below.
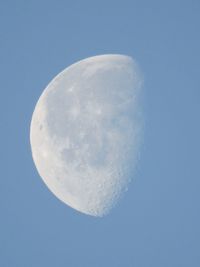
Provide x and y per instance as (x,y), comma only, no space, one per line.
(86,132)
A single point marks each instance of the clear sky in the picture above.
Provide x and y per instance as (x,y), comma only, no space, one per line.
(157,221)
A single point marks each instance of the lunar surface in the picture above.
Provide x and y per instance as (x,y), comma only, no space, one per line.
(86,131)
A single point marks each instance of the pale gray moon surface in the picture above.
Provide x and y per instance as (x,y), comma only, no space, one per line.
(86,132)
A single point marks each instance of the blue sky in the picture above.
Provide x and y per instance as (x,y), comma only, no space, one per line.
(157,221)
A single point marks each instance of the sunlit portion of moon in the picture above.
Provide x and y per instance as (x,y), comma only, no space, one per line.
(86,130)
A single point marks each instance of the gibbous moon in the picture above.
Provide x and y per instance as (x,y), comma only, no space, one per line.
(86,131)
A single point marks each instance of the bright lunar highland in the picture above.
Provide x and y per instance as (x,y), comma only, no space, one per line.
(86,131)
